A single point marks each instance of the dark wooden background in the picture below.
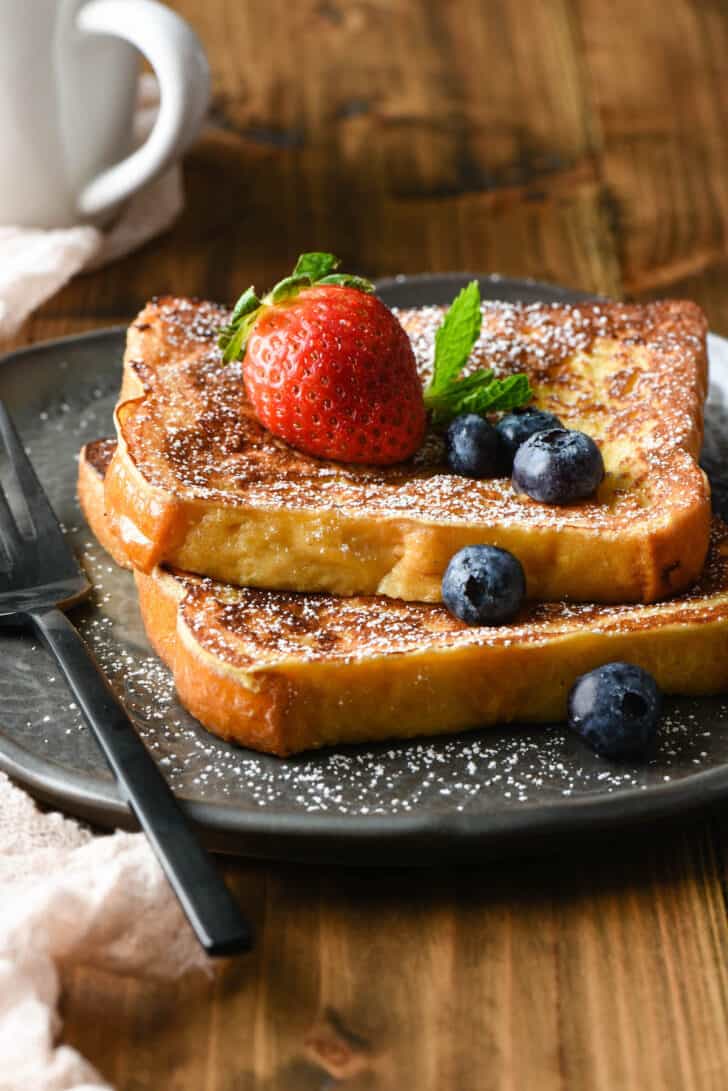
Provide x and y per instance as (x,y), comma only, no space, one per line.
(579,141)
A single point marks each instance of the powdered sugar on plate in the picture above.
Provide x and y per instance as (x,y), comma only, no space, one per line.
(482,772)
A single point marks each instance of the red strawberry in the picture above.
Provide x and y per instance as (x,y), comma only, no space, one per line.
(328,368)
(332,372)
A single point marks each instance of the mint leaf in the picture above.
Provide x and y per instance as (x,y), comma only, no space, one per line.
(232,338)
(315,265)
(456,336)
(509,393)
(463,386)
(343,280)
(486,395)
(447,396)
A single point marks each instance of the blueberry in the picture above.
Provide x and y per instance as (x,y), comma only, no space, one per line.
(483,585)
(472,446)
(558,466)
(615,709)
(515,428)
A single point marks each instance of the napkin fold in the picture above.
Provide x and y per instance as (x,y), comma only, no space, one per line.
(35,264)
(69,899)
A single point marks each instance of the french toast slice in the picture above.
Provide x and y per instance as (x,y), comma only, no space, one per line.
(199,484)
(284,672)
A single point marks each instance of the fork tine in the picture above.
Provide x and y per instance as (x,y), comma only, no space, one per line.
(10,538)
(41,513)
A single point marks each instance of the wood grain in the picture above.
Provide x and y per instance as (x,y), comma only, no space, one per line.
(579,141)
(661,110)
(602,968)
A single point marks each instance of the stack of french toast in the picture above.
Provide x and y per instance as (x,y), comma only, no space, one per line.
(298,600)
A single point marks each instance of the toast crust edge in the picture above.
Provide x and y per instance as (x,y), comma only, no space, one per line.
(291,707)
(403,558)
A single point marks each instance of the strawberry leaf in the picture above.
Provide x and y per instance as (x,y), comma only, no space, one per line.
(343,280)
(233,337)
(287,288)
(315,266)
(248,302)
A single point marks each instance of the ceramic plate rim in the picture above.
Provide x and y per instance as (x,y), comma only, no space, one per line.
(416,839)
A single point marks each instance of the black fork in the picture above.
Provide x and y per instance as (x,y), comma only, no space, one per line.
(39,577)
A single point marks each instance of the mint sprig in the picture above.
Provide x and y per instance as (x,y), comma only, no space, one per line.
(313,268)
(447,395)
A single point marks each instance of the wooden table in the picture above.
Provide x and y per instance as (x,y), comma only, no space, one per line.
(579,141)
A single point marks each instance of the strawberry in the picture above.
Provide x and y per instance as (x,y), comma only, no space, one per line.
(327,367)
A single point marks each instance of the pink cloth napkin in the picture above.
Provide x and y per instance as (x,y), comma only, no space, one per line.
(67,898)
(70,899)
(35,264)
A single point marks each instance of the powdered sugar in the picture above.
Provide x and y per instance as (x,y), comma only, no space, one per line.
(195,435)
(480,772)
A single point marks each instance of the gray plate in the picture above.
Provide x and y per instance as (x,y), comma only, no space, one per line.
(493,791)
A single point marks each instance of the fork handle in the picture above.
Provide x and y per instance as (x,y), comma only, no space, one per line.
(207,902)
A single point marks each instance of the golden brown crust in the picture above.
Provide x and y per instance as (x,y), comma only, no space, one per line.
(92,466)
(283,672)
(198,483)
